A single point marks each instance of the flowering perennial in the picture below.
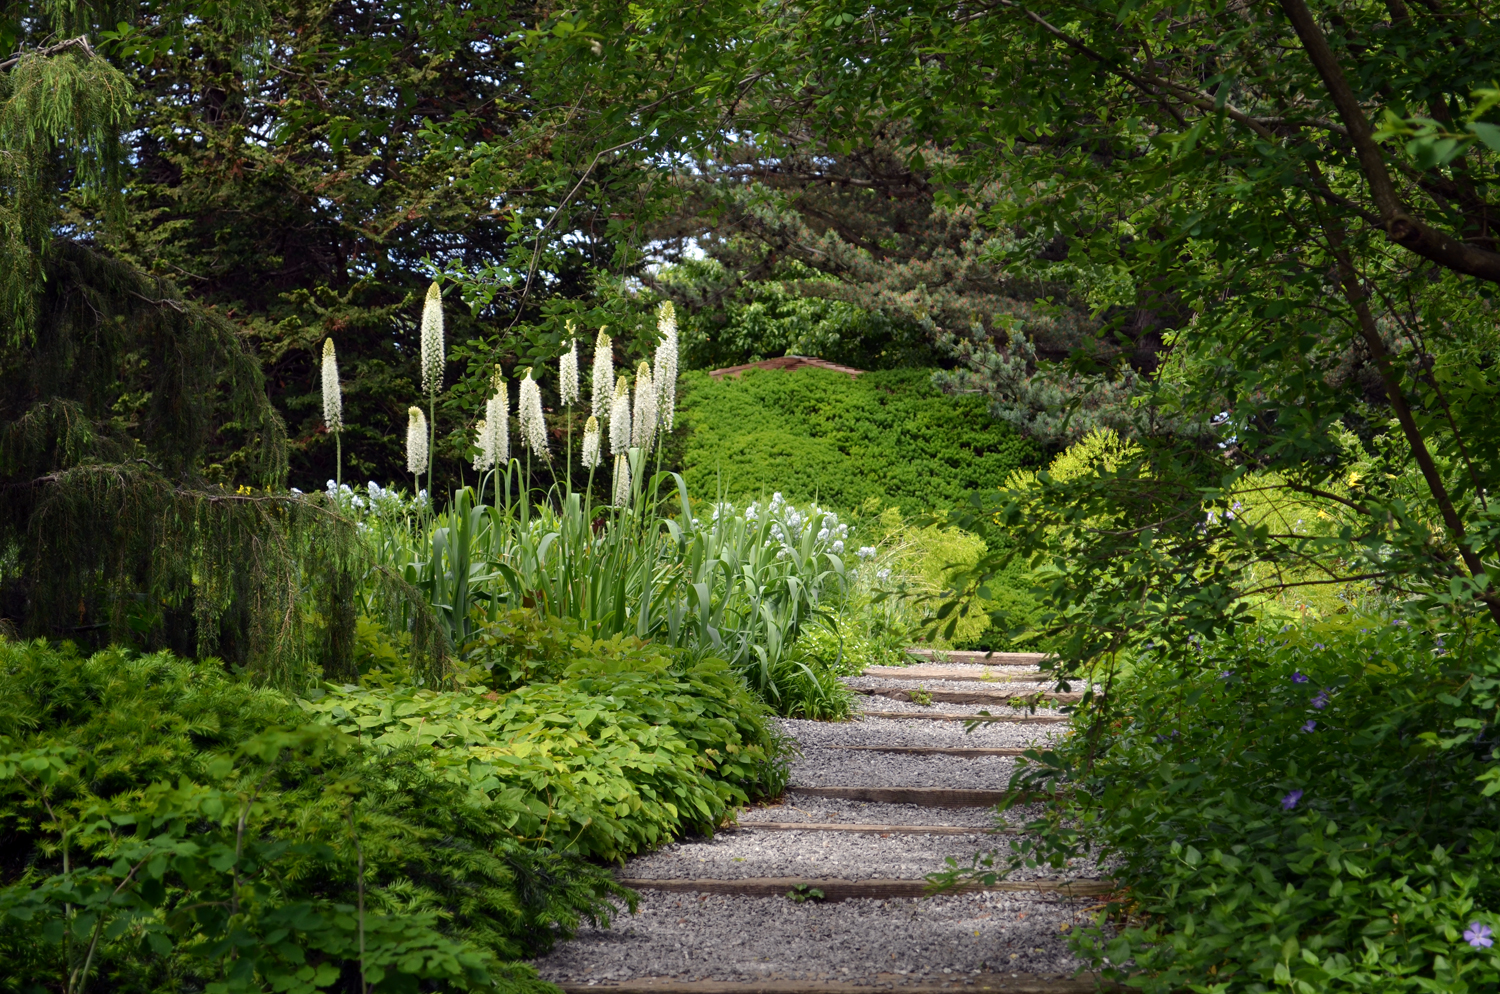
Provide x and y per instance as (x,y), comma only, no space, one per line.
(533,426)
(622,481)
(619,419)
(333,396)
(567,374)
(591,443)
(416,440)
(493,434)
(666,366)
(432,341)
(643,425)
(1478,935)
(603,376)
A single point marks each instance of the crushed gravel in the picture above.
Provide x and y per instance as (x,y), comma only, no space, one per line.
(827,810)
(820,767)
(887,704)
(841,855)
(964,686)
(732,938)
(944,734)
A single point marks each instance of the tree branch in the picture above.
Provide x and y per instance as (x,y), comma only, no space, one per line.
(1400,227)
(81,42)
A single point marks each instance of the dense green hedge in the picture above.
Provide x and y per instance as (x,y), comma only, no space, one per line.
(817,434)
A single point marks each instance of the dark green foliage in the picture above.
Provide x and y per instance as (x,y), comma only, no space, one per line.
(244,849)
(1364,882)
(888,435)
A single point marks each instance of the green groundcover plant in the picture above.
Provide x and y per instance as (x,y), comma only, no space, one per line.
(166,827)
(1286,812)
(819,435)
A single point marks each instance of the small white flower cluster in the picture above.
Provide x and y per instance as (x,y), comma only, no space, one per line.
(345,497)
(788,523)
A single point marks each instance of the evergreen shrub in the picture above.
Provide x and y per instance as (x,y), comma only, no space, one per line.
(817,434)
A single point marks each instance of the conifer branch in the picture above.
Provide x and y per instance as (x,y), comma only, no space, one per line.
(81,42)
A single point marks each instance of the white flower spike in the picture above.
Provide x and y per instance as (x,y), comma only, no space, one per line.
(643,425)
(591,443)
(622,481)
(416,440)
(333,396)
(567,374)
(603,379)
(619,419)
(533,425)
(432,341)
(666,367)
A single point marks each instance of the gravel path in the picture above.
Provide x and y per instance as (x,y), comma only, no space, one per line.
(717,937)
(820,767)
(737,855)
(949,939)
(943,734)
(829,810)
(887,704)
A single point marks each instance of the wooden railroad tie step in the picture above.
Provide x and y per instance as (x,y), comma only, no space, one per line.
(859,828)
(933,751)
(1018,719)
(927,797)
(940,656)
(843,890)
(951,673)
(984,983)
(970,696)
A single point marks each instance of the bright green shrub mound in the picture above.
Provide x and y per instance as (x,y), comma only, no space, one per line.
(816,434)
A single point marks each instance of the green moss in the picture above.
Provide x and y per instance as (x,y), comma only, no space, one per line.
(819,435)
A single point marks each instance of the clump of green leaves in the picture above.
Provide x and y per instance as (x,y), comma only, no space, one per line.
(170,828)
(613,746)
(1312,809)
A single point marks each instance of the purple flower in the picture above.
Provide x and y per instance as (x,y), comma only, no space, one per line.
(1478,936)
(1298,676)
(1290,801)
(1309,726)
(1226,674)
(1321,701)
(1317,645)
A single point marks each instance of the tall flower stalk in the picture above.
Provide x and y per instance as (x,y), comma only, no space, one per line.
(432,365)
(333,408)
(567,389)
(666,367)
(643,420)
(602,382)
(417,441)
(619,439)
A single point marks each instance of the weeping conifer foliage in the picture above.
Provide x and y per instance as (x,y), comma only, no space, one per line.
(112,527)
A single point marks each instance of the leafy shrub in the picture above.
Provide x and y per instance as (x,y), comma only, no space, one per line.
(169,828)
(816,434)
(1312,810)
(628,746)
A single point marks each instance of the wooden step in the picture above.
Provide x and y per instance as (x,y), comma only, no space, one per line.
(984,983)
(861,829)
(1021,719)
(996,697)
(954,674)
(841,890)
(983,658)
(931,750)
(927,797)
